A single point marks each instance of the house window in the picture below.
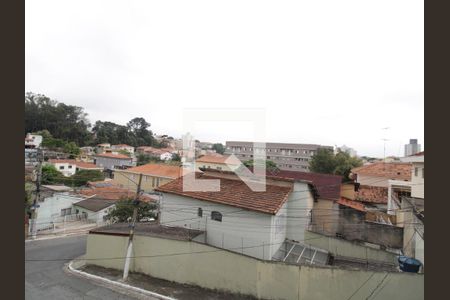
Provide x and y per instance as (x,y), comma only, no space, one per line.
(216,216)
(69,166)
(157,181)
(61,167)
(153,181)
(416,172)
(219,168)
(200,212)
(65,211)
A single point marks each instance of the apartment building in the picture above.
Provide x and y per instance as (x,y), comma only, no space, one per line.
(293,157)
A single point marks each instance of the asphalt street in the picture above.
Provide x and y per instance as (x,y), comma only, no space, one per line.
(47,279)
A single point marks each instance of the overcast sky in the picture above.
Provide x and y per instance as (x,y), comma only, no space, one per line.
(326,72)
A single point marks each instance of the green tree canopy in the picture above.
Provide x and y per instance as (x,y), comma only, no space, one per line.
(65,122)
(219,148)
(82,177)
(326,162)
(270,165)
(51,176)
(123,211)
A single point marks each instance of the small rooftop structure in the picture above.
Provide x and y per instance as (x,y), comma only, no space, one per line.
(95,204)
(149,229)
(219,159)
(398,171)
(112,155)
(157,170)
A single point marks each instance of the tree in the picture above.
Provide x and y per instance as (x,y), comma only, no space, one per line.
(71,148)
(125,152)
(123,211)
(66,122)
(176,157)
(28,198)
(139,127)
(82,177)
(270,165)
(326,162)
(219,148)
(51,176)
(323,161)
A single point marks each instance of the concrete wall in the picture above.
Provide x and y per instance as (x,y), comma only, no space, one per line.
(128,180)
(353,227)
(50,209)
(110,163)
(196,264)
(340,247)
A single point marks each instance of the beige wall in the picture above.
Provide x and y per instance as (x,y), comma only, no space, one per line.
(227,271)
(129,180)
(373,180)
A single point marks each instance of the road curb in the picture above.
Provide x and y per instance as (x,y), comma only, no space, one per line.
(116,284)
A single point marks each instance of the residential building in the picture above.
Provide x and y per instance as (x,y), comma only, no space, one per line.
(160,153)
(124,147)
(294,157)
(87,150)
(56,203)
(33,141)
(69,167)
(218,162)
(154,175)
(412,148)
(237,216)
(379,173)
(101,148)
(112,161)
(94,209)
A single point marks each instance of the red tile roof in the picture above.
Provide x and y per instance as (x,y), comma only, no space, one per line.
(215,159)
(158,170)
(80,164)
(112,192)
(235,192)
(111,155)
(328,186)
(352,203)
(398,171)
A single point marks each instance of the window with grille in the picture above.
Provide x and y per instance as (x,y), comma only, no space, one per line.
(216,216)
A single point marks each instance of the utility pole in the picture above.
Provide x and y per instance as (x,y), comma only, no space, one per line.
(130,238)
(37,198)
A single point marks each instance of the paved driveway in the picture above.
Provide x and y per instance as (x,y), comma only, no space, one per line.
(47,279)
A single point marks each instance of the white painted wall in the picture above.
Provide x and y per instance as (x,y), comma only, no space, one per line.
(66,169)
(50,209)
(96,217)
(418,181)
(299,206)
(239,228)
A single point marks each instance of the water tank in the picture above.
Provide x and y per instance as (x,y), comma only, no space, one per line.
(409,264)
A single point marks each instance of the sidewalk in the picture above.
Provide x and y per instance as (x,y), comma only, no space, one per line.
(163,287)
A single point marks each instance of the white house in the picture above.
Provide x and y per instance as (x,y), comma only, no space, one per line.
(94,209)
(125,147)
(69,167)
(166,156)
(53,208)
(33,140)
(237,218)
